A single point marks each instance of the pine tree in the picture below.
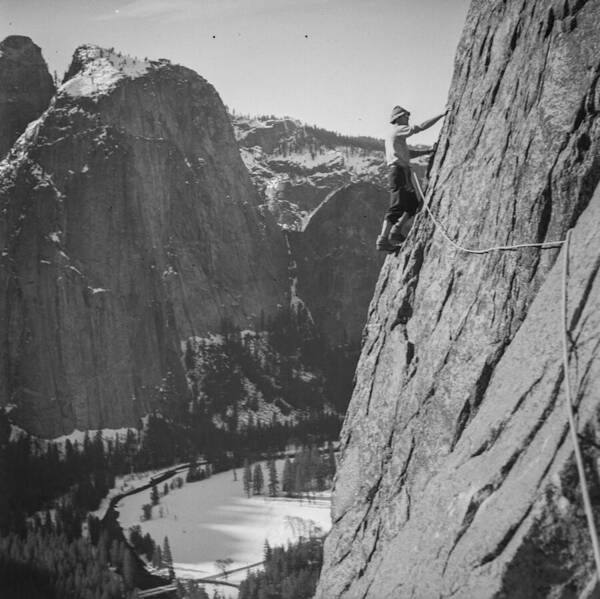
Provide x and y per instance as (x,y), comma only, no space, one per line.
(331,460)
(288,477)
(154,496)
(273,481)
(258,479)
(103,544)
(168,557)
(321,473)
(129,569)
(267,551)
(157,560)
(114,553)
(148,546)
(247,479)
(192,473)
(147,511)
(299,479)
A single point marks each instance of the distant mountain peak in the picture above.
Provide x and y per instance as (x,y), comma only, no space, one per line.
(19,44)
(96,71)
(26,87)
(295,166)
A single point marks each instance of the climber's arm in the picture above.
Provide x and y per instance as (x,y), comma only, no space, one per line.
(428,123)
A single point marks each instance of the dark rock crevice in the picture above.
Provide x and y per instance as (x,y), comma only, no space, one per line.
(370,555)
(584,295)
(499,428)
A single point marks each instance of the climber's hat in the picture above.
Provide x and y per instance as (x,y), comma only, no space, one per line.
(397,112)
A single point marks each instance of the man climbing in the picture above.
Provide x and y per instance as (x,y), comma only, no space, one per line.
(404,202)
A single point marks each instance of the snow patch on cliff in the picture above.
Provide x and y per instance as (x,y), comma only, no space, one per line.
(19,152)
(102,70)
(95,290)
(75,437)
(295,166)
(108,434)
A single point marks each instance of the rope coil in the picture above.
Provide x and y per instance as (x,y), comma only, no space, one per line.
(565,334)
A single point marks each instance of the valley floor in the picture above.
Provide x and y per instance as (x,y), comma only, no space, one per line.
(214,519)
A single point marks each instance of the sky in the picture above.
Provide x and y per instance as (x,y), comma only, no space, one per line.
(338,64)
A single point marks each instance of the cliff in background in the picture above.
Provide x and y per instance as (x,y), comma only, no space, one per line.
(131,232)
(296,166)
(457,476)
(25,88)
(335,264)
(129,223)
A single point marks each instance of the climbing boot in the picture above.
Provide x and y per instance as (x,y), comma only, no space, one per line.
(396,237)
(383,245)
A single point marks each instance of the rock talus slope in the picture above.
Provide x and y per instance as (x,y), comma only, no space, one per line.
(25,87)
(457,476)
(129,223)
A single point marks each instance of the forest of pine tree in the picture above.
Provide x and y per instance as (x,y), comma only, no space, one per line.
(220,369)
(289,572)
(49,547)
(324,137)
(309,471)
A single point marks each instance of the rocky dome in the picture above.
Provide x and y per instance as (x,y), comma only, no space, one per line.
(26,87)
(129,224)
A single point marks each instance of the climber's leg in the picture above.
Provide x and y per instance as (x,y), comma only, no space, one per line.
(396,183)
(383,244)
(385,228)
(394,212)
(396,236)
(404,206)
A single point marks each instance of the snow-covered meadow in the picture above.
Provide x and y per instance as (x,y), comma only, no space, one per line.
(213,519)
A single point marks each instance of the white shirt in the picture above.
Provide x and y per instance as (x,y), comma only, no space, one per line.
(396,150)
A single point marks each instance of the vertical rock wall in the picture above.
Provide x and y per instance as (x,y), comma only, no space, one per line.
(457,475)
(129,223)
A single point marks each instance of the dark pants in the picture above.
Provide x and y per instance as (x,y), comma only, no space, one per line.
(403,197)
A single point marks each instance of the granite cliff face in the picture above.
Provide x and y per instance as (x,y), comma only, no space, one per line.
(25,88)
(457,476)
(131,228)
(129,223)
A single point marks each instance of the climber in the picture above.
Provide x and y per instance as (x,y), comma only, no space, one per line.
(404,201)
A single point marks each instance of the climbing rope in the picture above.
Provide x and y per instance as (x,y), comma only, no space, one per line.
(544,244)
(570,411)
(565,335)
